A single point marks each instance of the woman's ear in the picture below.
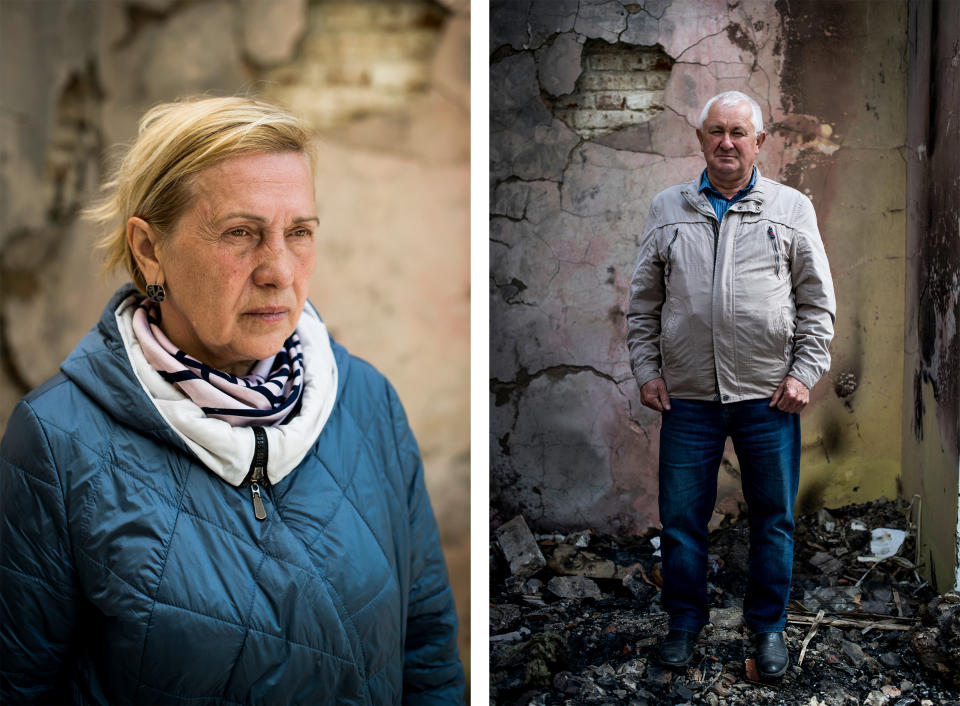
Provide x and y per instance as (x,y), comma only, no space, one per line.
(143,240)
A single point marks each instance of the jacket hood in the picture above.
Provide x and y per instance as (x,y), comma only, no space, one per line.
(100,365)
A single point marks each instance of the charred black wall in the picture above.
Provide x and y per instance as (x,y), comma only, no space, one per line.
(931,436)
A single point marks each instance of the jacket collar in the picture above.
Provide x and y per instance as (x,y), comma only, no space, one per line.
(752,202)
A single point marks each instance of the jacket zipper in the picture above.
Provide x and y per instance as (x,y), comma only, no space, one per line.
(716,243)
(776,249)
(258,471)
(669,267)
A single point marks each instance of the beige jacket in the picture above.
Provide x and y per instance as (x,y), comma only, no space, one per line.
(726,313)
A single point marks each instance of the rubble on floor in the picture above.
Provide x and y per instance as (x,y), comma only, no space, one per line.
(863,629)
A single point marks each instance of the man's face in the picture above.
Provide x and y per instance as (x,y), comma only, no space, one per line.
(729,143)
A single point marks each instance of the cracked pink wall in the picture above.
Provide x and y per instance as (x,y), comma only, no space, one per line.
(571,446)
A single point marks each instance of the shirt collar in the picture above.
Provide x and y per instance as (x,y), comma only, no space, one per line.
(705,184)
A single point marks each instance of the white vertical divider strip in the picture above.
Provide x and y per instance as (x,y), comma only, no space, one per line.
(479,351)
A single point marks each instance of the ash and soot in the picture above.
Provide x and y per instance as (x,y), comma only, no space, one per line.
(576,619)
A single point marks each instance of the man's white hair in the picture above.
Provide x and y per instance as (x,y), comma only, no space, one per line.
(729,98)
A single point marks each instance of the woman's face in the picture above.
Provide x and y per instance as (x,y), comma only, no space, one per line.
(237,265)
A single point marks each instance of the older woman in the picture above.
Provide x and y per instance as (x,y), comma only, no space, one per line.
(213,502)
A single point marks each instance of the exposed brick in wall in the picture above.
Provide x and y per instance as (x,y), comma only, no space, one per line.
(364,56)
(620,85)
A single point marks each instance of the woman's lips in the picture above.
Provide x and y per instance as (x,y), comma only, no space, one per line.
(269,314)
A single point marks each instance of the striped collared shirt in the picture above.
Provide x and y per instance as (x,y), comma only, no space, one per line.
(717,200)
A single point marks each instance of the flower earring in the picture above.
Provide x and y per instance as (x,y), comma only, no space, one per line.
(155,293)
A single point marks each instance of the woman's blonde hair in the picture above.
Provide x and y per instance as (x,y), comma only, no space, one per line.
(176,140)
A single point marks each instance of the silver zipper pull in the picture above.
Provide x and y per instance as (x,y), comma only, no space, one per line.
(258,510)
(258,470)
(776,249)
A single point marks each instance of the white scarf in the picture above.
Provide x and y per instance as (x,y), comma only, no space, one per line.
(228,450)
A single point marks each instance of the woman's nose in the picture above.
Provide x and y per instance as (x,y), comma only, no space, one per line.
(276,267)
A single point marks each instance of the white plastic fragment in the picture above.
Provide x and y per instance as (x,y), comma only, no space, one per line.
(858,526)
(655,541)
(514,636)
(884,543)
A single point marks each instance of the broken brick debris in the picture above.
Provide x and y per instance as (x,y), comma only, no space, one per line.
(881,638)
(573,587)
(520,548)
(936,641)
(568,560)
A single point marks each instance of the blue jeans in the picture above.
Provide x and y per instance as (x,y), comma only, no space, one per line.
(767,442)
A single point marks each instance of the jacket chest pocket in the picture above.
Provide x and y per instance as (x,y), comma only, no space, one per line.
(763,251)
(686,253)
(668,261)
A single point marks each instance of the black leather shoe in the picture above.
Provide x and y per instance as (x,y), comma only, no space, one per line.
(772,656)
(676,649)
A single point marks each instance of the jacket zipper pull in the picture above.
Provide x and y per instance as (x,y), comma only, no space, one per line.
(776,249)
(258,471)
(258,510)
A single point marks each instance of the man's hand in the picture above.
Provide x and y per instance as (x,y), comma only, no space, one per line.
(653,394)
(792,396)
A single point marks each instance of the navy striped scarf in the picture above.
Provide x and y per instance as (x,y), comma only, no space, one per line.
(267,396)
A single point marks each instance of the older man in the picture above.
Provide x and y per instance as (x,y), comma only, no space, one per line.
(730,317)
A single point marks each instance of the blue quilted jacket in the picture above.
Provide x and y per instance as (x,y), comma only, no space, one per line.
(129,573)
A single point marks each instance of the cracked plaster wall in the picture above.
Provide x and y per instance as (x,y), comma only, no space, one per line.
(570,444)
(386,83)
(931,385)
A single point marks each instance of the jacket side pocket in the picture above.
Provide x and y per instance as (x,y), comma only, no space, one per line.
(785,331)
(674,313)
